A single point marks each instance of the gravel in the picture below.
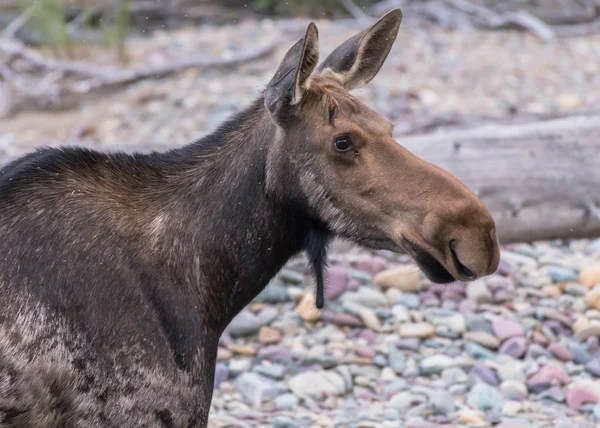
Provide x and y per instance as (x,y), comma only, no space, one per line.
(511,363)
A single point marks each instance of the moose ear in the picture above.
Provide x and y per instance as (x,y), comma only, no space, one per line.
(289,83)
(358,59)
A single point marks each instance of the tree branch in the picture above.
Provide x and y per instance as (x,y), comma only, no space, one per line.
(69,79)
(12,28)
(356,11)
(487,18)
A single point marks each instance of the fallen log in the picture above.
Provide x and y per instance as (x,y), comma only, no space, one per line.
(540,180)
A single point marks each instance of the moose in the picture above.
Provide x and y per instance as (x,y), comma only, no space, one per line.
(119,272)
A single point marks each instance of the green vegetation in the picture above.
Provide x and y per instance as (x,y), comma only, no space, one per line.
(50,24)
(116,30)
(59,23)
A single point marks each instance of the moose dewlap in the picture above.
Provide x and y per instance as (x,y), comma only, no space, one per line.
(120,272)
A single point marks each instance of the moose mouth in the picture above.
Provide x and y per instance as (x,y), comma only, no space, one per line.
(431,267)
(436,271)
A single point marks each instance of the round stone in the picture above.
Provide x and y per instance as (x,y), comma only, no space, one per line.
(370,319)
(552,374)
(286,402)
(592,299)
(513,390)
(268,335)
(580,323)
(435,364)
(593,366)
(560,351)
(405,278)
(477,351)
(552,291)
(317,384)
(484,373)
(419,329)
(577,396)
(336,282)
(482,338)
(307,309)
(515,347)
(485,397)
(441,402)
(506,328)
(590,276)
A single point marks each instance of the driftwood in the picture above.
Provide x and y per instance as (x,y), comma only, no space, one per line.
(578,30)
(487,18)
(548,20)
(48,87)
(540,180)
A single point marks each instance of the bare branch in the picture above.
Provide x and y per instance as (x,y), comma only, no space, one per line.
(383,6)
(578,30)
(13,47)
(532,23)
(487,18)
(108,77)
(486,14)
(355,11)
(593,209)
(12,28)
(115,75)
(85,78)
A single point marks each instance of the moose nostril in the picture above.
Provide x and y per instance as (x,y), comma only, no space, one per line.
(462,269)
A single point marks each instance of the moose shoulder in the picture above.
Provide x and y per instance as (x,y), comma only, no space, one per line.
(120,272)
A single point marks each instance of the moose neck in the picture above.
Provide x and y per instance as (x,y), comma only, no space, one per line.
(232,236)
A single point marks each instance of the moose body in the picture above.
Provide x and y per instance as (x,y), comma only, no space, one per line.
(114,296)
(118,273)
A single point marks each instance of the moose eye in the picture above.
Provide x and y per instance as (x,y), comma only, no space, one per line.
(342,144)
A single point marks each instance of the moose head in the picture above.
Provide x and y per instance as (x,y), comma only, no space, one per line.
(337,159)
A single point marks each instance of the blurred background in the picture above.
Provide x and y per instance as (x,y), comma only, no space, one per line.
(504,94)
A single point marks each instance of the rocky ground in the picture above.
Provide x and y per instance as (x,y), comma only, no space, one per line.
(519,348)
(516,349)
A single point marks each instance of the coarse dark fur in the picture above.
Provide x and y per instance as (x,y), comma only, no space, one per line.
(104,261)
(118,273)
